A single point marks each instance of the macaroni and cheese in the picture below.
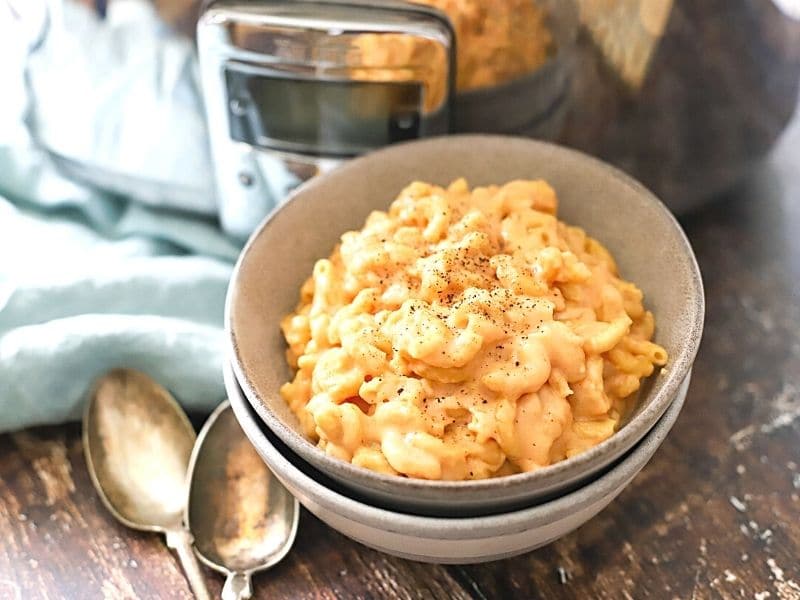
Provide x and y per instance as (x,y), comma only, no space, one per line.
(495,42)
(466,334)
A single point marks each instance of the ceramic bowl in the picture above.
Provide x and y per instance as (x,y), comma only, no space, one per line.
(644,237)
(441,539)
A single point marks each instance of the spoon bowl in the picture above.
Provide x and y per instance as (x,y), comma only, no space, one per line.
(242,518)
(138,441)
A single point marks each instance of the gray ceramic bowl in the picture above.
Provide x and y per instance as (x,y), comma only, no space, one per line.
(444,540)
(645,238)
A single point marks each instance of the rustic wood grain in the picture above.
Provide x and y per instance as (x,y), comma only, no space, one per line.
(716,514)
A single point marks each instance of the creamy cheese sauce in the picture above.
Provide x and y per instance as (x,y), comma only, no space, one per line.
(466,334)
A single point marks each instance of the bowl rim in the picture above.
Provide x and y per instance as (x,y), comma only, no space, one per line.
(675,371)
(514,521)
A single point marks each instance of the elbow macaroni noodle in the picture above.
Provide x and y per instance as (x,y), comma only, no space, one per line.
(465,335)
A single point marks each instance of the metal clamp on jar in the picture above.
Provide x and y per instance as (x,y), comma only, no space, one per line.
(294,88)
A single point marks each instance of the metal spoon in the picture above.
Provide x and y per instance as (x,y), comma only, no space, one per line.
(137,442)
(242,519)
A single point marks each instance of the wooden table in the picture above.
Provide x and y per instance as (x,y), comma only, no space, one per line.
(716,514)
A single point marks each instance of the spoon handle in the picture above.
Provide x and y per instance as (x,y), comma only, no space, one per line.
(237,587)
(181,540)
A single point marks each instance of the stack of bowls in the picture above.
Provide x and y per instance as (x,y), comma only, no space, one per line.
(464,521)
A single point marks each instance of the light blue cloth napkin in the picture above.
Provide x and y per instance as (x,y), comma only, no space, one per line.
(91,281)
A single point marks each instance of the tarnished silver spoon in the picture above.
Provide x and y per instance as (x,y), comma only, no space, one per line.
(242,519)
(137,442)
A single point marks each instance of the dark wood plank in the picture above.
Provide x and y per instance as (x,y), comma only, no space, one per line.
(59,542)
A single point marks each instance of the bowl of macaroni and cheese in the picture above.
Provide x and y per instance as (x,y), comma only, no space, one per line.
(465,325)
(443,539)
